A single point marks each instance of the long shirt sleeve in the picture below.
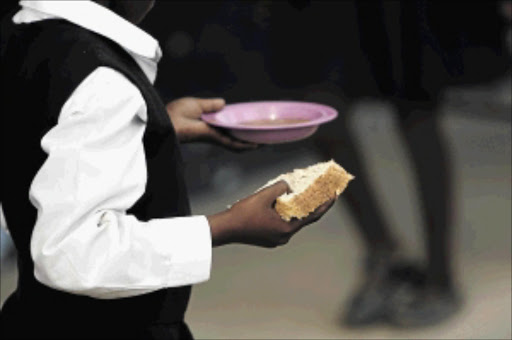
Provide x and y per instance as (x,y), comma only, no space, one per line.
(84,242)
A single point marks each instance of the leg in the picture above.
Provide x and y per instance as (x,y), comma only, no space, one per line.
(368,302)
(340,145)
(422,135)
(421,132)
(434,300)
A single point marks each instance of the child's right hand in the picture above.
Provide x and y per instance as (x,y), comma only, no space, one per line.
(185,114)
(254,220)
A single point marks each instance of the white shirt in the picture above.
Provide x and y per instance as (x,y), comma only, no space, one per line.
(84,242)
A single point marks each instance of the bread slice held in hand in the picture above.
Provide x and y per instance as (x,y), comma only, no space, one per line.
(310,188)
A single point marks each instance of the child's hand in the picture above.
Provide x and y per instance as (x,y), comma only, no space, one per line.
(185,115)
(254,220)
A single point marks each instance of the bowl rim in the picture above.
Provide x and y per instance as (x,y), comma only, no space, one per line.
(328,114)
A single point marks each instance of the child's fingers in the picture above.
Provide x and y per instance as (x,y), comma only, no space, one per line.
(274,191)
(229,142)
(241,146)
(319,212)
(211,105)
(313,217)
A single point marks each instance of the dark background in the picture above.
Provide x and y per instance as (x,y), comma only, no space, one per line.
(259,50)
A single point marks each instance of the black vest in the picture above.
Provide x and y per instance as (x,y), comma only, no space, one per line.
(42,63)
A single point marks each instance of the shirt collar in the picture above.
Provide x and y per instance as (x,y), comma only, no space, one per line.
(101,20)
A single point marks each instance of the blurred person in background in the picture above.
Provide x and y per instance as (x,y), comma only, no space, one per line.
(414,50)
(394,37)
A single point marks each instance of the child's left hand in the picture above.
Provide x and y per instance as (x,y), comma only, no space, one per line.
(185,115)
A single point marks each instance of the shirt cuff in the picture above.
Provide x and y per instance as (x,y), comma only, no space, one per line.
(187,245)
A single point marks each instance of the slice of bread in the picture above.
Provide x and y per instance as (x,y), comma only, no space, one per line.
(311,187)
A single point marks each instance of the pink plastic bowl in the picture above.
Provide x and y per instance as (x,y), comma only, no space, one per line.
(234,118)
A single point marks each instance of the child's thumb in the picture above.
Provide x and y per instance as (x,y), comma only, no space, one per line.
(275,190)
(211,105)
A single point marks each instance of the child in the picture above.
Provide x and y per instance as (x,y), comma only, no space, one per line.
(92,184)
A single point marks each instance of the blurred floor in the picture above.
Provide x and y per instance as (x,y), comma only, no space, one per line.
(298,291)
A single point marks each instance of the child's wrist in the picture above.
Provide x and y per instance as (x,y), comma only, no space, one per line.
(221,228)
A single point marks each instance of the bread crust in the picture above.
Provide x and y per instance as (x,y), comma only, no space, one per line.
(325,187)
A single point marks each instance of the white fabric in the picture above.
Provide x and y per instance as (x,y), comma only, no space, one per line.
(84,242)
(94,17)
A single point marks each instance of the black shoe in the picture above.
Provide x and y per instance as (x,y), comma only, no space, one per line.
(421,306)
(369,304)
